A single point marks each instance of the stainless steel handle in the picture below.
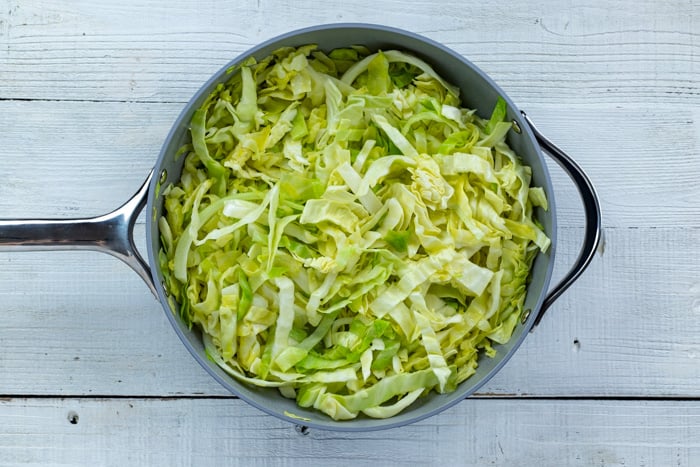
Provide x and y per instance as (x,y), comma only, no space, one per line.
(111,233)
(591,205)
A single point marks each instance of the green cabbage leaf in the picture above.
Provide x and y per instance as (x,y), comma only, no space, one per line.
(345,231)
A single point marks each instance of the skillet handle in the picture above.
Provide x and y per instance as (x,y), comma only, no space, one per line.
(591,206)
(111,233)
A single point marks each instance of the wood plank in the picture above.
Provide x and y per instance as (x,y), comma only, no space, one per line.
(627,326)
(69,159)
(638,52)
(77,323)
(38,432)
(103,151)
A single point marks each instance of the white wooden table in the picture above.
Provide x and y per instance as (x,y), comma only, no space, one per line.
(91,372)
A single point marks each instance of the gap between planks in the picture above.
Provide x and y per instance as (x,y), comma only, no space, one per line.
(481,396)
(91,101)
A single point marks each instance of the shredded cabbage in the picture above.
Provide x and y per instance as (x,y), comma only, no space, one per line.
(343,230)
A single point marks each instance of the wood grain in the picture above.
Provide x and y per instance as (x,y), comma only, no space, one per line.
(222,432)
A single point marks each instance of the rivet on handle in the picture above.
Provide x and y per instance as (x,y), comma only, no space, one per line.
(525,316)
(516,127)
